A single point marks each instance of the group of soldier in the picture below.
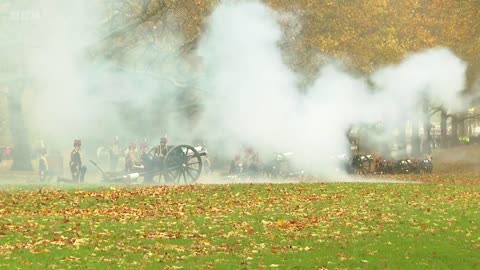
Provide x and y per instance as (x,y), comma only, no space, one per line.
(77,168)
(134,159)
(143,159)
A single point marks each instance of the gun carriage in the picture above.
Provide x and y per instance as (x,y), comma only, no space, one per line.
(365,164)
(404,166)
(281,166)
(181,164)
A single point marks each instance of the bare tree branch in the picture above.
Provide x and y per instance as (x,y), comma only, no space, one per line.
(435,110)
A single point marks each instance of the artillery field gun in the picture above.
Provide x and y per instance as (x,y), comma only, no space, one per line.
(182,164)
(366,164)
(281,165)
(404,166)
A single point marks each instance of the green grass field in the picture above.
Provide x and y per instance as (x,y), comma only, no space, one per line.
(284,226)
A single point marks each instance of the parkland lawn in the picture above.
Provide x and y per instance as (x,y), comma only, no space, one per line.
(283,226)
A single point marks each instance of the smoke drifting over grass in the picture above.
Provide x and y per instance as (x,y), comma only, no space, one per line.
(251,97)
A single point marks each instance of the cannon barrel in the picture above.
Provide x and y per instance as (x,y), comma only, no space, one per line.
(131,176)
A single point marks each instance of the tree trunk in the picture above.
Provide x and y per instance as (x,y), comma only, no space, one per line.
(22,150)
(402,142)
(454,135)
(443,129)
(427,145)
(427,128)
(415,139)
(461,126)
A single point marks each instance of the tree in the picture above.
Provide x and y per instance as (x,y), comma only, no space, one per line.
(443,128)
(22,148)
(367,34)
(12,30)
(142,37)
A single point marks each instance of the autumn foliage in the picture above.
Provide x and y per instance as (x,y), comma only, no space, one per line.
(366,33)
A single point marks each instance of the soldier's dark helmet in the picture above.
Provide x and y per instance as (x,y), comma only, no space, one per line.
(77,143)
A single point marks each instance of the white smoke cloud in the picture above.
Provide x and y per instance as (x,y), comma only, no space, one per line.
(251,93)
(62,108)
(254,98)
(77,92)
(251,96)
(435,73)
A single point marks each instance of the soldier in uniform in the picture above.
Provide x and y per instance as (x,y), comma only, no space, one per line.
(160,154)
(162,150)
(76,168)
(43,164)
(144,156)
(130,158)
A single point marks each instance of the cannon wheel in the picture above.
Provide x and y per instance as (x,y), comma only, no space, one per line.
(183,164)
(362,166)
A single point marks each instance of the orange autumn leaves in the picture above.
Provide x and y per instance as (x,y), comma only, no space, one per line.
(370,33)
(228,225)
(365,34)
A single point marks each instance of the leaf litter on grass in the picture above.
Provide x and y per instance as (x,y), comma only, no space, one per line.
(284,226)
